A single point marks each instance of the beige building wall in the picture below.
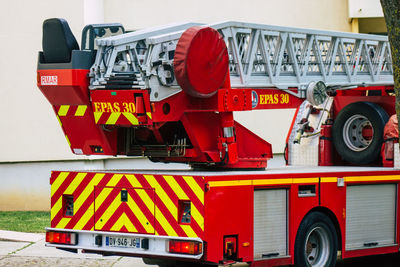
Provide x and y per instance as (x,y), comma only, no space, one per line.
(28,128)
(321,14)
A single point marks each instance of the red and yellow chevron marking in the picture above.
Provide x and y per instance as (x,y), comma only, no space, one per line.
(68,110)
(151,207)
(118,118)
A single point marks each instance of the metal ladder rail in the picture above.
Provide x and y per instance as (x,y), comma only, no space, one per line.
(283,57)
(133,44)
(272,56)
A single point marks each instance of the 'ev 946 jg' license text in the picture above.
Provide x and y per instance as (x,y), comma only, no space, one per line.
(122,242)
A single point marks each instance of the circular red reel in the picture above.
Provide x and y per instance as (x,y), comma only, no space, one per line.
(201,61)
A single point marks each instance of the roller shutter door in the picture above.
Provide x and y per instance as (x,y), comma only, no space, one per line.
(270,223)
(370,216)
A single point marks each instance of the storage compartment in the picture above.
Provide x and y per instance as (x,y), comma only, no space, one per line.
(370,216)
(270,223)
(124,210)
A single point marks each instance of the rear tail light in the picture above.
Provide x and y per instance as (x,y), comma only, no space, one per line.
(61,238)
(185,247)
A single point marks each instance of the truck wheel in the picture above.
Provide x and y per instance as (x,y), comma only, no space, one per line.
(357,132)
(316,242)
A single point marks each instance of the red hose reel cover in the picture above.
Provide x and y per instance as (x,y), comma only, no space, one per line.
(201,61)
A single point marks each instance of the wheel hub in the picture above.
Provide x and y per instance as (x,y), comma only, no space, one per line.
(317,247)
(358,133)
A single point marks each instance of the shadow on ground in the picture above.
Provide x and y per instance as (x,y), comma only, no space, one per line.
(390,260)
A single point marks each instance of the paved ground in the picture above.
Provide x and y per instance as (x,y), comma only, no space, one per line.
(31,251)
(13,253)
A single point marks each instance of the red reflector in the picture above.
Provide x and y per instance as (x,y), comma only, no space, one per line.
(61,238)
(185,247)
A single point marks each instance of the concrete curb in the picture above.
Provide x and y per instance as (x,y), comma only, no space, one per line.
(19,236)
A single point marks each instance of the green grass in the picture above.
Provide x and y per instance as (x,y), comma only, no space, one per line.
(24,221)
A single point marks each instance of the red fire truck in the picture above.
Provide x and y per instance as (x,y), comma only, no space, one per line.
(169,93)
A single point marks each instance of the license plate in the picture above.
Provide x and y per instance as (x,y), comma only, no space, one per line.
(122,242)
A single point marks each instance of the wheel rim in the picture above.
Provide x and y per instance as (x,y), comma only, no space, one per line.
(358,133)
(317,247)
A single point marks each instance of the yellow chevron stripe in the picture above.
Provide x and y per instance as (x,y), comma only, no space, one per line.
(182,195)
(97,116)
(155,211)
(74,184)
(58,182)
(63,222)
(131,118)
(149,115)
(63,110)
(133,181)
(147,200)
(87,192)
(113,118)
(100,222)
(56,208)
(175,187)
(85,218)
(163,196)
(196,215)
(142,193)
(139,214)
(164,223)
(195,188)
(188,230)
(115,180)
(102,196)
(123,220)
(80,111)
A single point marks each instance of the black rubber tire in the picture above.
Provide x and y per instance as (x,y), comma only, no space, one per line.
(316,222)
(376,115)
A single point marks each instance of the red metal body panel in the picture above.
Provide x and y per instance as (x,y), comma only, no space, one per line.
(384,101)
(64,86)
(121,107)
(229,212)
(268,98)
(83,134)
(333,198)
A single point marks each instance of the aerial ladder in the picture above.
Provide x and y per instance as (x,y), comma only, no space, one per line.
(149,93)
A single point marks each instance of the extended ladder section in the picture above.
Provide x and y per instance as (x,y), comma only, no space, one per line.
(261,56)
